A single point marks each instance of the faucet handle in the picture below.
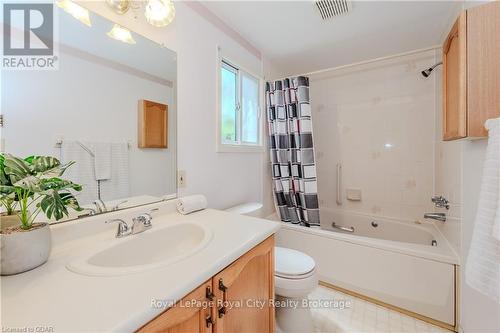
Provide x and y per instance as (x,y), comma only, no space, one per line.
(143,220)
(440,202)
(123,228)
(149,216)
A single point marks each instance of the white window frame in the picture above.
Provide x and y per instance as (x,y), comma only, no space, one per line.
(239,147)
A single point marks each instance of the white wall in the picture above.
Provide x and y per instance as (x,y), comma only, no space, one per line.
(225,178)
(90,102)
(356,111)
(448,170)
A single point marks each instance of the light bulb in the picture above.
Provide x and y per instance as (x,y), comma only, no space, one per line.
(159,12)
(77,11)
(122,34)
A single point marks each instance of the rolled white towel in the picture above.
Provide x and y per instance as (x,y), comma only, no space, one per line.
(192,203)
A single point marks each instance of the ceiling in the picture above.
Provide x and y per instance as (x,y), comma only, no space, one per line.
(292,35)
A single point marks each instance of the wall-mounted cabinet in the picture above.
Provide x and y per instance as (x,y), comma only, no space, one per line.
(153,125)
(471,72)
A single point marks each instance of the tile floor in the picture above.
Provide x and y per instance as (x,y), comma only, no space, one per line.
(361,316)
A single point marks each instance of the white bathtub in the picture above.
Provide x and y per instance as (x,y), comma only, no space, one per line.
(393,262)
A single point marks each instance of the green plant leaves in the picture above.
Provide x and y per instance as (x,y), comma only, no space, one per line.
(15,168)
(4,180)
(55,203)
(36,178)
(48,167)
(44,163)
(58,184)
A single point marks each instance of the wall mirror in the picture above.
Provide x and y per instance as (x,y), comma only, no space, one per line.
(110,107)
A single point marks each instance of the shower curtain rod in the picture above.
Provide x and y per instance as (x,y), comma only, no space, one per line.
(364,62)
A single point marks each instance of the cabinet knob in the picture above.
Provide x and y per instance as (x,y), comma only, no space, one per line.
(209,321)
(222,287)
(222,311)
(209,294)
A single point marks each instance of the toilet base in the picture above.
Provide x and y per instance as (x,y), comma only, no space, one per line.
(291,319)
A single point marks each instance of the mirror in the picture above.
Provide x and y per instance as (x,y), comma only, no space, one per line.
(110,107)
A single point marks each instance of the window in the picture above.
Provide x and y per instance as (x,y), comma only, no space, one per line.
(239,114)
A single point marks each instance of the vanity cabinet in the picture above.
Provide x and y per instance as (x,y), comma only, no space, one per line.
(183,319)
(471,72)
(238,299)
(251,279)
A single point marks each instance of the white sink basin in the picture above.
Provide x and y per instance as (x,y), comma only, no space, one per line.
(148,250)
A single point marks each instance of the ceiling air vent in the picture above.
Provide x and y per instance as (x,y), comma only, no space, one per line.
(332,8)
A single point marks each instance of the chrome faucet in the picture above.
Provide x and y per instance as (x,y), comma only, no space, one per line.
(142,222)
(440,202)
(123,229)
(100,206)
(436,216)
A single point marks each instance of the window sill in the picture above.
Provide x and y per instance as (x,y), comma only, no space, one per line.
(239,149)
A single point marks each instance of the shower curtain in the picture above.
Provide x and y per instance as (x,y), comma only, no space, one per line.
(292,151)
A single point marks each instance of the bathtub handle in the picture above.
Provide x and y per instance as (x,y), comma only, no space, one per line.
(348,229)
(339,185)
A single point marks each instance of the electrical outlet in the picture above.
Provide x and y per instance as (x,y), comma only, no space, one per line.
(181,178)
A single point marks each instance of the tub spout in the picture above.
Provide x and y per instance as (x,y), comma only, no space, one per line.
(436,216)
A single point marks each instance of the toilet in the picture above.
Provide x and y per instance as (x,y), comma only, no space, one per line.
(295,277)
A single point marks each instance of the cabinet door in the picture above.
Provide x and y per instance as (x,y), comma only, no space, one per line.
(184,319)
(246,280)
(483,66)
(454,81)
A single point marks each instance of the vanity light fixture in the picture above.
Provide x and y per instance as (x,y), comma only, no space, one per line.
(159,12)
(122,34)
(119,6)
(77,11)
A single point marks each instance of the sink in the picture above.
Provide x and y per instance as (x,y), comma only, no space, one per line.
(152,249)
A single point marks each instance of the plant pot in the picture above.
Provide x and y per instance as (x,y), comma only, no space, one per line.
(9,221)
(23,250)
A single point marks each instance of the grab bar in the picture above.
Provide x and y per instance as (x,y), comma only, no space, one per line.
(348,229)
(339,185)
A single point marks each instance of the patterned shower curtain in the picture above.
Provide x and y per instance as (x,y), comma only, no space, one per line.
(292,151)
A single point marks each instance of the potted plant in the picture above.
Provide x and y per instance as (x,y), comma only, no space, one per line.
(7,202)
(27,187)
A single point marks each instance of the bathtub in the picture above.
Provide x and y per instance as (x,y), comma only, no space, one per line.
(407,265)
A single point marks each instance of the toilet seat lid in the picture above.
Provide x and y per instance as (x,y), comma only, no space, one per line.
(292,263)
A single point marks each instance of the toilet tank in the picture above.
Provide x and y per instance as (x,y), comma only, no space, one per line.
(249,208)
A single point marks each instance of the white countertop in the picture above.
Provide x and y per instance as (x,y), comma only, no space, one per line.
(51,296)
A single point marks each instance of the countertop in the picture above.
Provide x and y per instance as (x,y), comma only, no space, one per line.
(51,298)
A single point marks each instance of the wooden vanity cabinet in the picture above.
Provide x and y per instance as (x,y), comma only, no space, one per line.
(471,72)
(182,319)
(249,278)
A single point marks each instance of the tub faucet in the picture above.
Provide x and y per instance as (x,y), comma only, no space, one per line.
(440,202)
(100,206)
(436,216)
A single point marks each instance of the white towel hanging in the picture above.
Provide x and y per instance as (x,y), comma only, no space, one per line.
(102,160)
(82,172)
(482,269)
